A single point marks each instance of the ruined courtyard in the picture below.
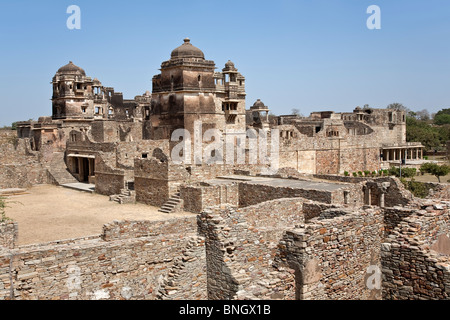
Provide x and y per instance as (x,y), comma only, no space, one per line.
(103,207)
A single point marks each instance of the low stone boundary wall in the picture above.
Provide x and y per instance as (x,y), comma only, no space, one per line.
(118,230)
(133,264)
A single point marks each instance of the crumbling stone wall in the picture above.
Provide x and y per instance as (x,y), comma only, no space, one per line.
(241,250)
(198,197)
(108,179)
(332,253)
(90,268)
(19,166)
(416,256)
(251,194)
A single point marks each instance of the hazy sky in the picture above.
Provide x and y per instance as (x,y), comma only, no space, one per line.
(307,54)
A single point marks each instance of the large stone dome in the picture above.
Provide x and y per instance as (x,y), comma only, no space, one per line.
(187,50)
(71,69)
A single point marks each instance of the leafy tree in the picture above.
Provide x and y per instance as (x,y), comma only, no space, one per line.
(435,169)
(442,119)
(421,131)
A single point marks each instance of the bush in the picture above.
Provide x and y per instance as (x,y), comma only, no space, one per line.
(346,173)
(355,174)
(418,189)
(360,173)
(405,172)
(3,217)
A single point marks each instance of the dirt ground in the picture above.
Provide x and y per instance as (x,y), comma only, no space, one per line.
(48,213)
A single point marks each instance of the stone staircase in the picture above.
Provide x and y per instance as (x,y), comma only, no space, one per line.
(58,171)
(125,196)
(172,204)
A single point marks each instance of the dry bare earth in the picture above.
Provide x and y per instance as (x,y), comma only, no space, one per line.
(49,213)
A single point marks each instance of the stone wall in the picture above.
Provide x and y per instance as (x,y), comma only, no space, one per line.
(251,194)
(119,230)
(196,198)
(332,253)
(19,166)
(135,268)
(416,256)
(108,180)
(241,246)
(8,234)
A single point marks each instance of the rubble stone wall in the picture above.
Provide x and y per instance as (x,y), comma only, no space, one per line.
(90,268)
(251,194)
(416,256)
(241,250)
(332,253)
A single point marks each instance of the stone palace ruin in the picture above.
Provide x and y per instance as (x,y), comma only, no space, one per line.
(304,232)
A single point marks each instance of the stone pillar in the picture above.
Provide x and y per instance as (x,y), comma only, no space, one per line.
(421,153)
(367,196)
(381,204)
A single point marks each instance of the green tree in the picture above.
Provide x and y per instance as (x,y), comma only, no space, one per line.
(442,117)
(436,170)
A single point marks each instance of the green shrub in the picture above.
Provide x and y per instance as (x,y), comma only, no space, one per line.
(346,173)
(3,217)
(418,189)
(360,173)
(355,174)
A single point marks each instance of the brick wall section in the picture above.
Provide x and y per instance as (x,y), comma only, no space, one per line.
(413,266)
(9,233)
(331,256)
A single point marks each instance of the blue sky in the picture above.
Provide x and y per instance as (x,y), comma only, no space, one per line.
(306,54)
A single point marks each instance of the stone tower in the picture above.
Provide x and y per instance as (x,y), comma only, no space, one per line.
(72,94)
(188,89)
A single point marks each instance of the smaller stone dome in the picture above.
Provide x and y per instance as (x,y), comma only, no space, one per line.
(259,105)
(187,50)
(229,66)
(71,69)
